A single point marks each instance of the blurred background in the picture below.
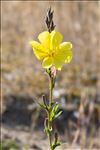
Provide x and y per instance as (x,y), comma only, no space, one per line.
(24,81)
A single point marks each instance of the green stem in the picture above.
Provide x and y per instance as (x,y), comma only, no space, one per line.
(51,89)
(49,112)
(50,135)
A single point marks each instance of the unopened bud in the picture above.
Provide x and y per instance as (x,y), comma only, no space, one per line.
(49,20)
(53,71)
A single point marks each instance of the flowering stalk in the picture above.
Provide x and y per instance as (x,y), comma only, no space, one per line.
(54,55)
(51,112)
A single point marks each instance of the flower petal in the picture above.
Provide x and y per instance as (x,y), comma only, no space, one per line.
(44,38)
(58,61)
(34,44)
(56,38)
(66,45)
(68,56)
(47,62)
(65,49)
(38,50)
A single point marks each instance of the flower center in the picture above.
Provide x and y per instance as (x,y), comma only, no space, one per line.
(52,53)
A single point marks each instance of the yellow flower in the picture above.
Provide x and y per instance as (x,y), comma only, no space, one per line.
(51,51)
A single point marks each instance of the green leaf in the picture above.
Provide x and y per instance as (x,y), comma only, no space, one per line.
(47,130)
(54,112)
(42,105)
(56,108)
(58,114)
